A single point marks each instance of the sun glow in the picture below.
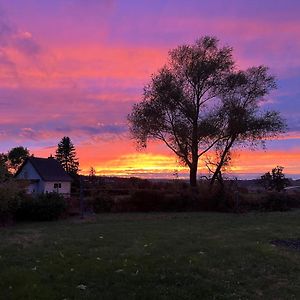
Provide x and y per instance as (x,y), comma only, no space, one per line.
(119,158)
(141,164)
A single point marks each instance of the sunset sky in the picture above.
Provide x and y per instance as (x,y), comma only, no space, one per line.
(75,68)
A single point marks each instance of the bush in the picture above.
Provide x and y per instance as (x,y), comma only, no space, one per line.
(174,198)
(267,201)
(276,202)
(183,201)
(11,193)
(212,198)
(146,200)
(101,203)
(180,200)
(293,199)
(44,207)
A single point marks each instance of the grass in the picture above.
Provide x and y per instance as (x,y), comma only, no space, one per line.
(152,256)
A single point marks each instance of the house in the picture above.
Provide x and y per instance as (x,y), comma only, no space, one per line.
(45,175)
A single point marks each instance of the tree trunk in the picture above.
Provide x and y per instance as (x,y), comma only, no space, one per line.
(194,162)
(193,174)
(216,173)
(222,160)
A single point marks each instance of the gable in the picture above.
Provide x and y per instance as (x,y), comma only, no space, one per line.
(28,172)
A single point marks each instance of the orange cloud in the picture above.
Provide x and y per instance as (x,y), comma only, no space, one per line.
(263,161)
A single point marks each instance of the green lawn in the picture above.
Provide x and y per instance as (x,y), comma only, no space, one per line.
(152,256)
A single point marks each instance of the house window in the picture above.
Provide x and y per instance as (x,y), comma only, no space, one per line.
(57,185)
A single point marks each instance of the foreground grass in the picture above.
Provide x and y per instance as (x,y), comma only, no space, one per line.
(152,256)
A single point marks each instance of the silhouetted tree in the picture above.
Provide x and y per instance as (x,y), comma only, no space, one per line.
(217,165)
(275,180)
(198,102)
(66,155)
(242,121)
(175,103)
(4,172)
(92,172)
(16,156)
(92,175)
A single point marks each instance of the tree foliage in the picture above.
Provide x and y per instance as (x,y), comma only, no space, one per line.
(66,155)
(4,172)
(275,180)
(242,121)
(198,102)
(16,156)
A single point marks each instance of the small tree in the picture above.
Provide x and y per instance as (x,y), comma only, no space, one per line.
(66,155)
(275,180)
(92,172)
(16,156)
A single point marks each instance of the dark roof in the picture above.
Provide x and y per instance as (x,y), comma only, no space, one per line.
(48,168)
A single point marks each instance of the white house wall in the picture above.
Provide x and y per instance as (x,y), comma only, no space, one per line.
(34,187)
(28,172)
(65,187)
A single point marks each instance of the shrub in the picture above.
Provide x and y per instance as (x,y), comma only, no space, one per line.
(213,198)
(183,201)
(180,200)
(11,193)
(146,200)
(73,206)
(293,199)
(276,202)
(44,207)
(267,201)
(101,203)
(175,198)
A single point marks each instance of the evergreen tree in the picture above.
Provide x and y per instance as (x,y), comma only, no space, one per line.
(66,155)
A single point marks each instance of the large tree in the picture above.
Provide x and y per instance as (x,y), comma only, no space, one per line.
(66,155)
(175,104)
(192,104)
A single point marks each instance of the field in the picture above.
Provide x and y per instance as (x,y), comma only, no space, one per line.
(152,256)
